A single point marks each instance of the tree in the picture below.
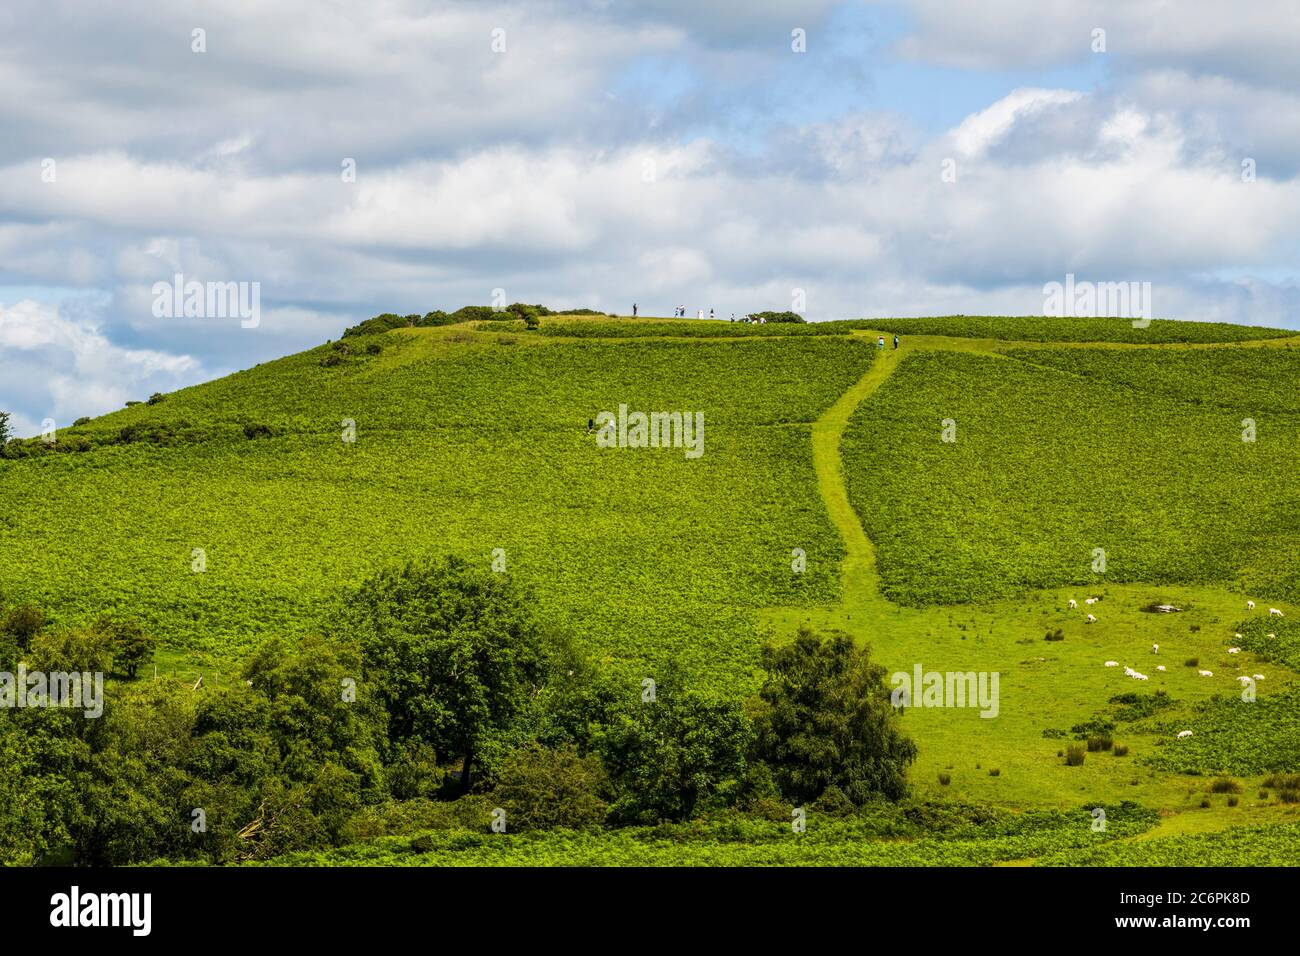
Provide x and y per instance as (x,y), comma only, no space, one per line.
(5,432)
(455,651)
(827,719)
(676,754)
(542,789)
(130,644)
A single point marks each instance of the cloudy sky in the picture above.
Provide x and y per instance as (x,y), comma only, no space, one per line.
(596,153)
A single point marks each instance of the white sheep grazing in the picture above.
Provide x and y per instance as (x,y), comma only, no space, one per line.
(1184,733)
(1136,676)
(1206,673)
(1091,618)
(1275,612)
(1259,677)
(1237,636)
(1234,650)
(1129,672)
(1160,667)
(1244,679)
(1155,648)
(1111,664)
(1073,603)
(1250,605)
(1091,600)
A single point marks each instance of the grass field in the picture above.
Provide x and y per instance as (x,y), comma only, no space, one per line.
(959,556)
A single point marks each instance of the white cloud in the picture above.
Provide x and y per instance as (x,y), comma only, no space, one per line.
(65,368)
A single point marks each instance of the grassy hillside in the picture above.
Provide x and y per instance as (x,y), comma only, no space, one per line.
(1050,463)
(465,443)
(1071,435)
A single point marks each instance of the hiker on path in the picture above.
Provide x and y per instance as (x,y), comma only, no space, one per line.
(634,310)
(880,342)
(895,341)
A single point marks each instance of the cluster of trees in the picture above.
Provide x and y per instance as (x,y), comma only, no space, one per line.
(436,688)
(468,313)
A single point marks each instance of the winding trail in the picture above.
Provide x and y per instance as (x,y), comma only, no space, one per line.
(858,575)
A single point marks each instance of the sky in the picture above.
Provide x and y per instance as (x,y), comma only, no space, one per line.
(846,159)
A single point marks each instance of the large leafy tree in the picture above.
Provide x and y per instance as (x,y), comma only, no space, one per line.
(826,718)
(456,652)
(681,752)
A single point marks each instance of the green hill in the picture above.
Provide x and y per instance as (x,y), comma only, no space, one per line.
(472,439)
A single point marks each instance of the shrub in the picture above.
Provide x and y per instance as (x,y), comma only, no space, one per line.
(1205,803)
(1283,781)
(23,623)
(1100,742)
(1056,635)
(1120,750)
(1192,662)
(1289,795)
(415,773)
(833,803)
(1232,801)
(258,430)
(1225,785)
(331,359)
(945,779)
(995,772)
(1074,755)
(481,313)
(155,398)
(544,789)
(82,421)
(532,321)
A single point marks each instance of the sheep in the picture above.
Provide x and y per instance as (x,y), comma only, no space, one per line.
(1234,650)
(1206,673)
(1155,648)
(1184,733)
(1275,612)
(1092,618)
(1073,604)
(1091,600)
(1137,676)
(1244,679)
(1129,672)
(1250,605)
(1259,677)
(1160,667)
(1272,636)
(1237,636)
(1111,664)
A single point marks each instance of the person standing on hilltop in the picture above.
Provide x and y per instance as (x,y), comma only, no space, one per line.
(634,310)
(895,341)
(710,313)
